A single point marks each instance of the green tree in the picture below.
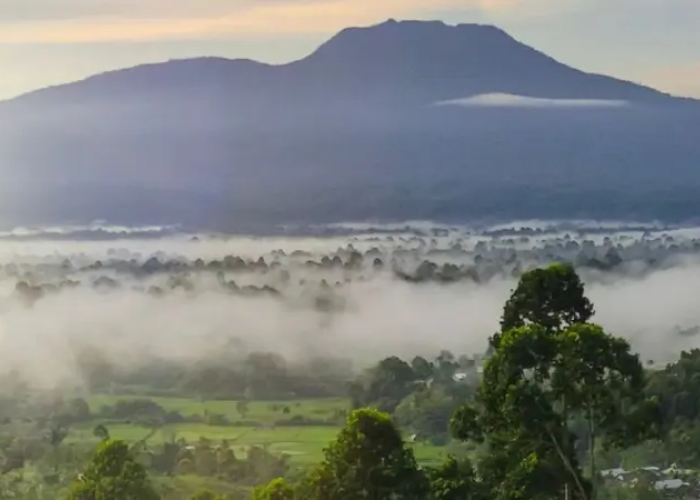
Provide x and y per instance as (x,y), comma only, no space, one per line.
(55,437)
(242,407)
(277,489)
(165,459)
(528,449)
(101,432)
(455,480)
(538,379)
(207,495)
(677,387)
(368,460)
(113,474)
(79,410)
(422,368)
(549,365)
(552,297)
(427,412)
(597,377)
(385,385)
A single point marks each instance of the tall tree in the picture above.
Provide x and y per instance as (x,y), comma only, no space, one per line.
(385,385)
(547,365)
(368,460)
(598,378)
(113,473)
(55,436)
(552,297)
(537,379)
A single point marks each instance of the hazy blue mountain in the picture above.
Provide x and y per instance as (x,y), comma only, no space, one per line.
(351,132)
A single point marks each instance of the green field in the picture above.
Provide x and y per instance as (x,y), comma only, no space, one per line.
(303,444)
(259,411)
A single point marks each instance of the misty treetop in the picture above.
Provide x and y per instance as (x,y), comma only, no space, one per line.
(413,255)
(349,291)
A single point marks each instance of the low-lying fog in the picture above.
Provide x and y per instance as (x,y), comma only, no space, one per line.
(364,295)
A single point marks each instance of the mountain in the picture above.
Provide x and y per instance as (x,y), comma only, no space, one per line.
(352,131)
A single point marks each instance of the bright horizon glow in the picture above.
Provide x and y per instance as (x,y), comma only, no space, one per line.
(49,42)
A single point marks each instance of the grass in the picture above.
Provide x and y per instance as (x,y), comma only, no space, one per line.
(304,445)
(183,487)
(259,411)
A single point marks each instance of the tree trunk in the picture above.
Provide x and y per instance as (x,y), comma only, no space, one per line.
(567,464)
(565,441)
(591,454)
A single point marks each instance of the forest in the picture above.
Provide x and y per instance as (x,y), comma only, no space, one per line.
(555,404)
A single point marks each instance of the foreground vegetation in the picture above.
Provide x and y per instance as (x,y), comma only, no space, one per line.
(556,404)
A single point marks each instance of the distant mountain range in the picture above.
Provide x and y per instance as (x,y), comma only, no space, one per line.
(395,121)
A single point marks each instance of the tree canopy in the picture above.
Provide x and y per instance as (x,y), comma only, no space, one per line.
(549,365)
(552,297)
(368,460)
(113,474)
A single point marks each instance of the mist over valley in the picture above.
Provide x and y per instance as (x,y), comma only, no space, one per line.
(357,293)
(407,265)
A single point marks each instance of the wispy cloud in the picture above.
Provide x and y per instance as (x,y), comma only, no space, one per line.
(516,101)
(83,21)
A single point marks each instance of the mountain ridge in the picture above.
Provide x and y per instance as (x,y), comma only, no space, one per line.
(350,131)
(374,51)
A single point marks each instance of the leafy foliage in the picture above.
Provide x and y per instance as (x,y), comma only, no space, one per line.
(551,297)
(113,474)
(369,459)
(455,480)
(277,489)
(207,495)
(547,366)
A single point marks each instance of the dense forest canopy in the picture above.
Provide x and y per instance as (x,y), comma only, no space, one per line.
(388,393)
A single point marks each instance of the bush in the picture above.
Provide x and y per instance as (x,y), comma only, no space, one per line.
(131,409)
(207,495)
(215,419)
(301,421)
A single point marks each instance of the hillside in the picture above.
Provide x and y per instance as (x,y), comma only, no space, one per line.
(218,141)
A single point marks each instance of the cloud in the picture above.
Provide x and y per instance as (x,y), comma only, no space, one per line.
(383,317)
(80,21)
(517,101)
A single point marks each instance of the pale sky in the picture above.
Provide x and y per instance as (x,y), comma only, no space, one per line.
(45,42)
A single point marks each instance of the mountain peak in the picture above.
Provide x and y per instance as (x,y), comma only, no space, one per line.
(430,61)
(427,26)
(415,49)
(413,35)
(432,58)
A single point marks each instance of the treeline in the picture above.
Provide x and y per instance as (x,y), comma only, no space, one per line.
(549,370)
(230,375)
(557,400)
(407,259)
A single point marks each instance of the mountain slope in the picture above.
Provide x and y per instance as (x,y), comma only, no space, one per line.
(218,141)
(431,61)
(442,62)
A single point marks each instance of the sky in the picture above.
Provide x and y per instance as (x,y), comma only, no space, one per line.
(48,42)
